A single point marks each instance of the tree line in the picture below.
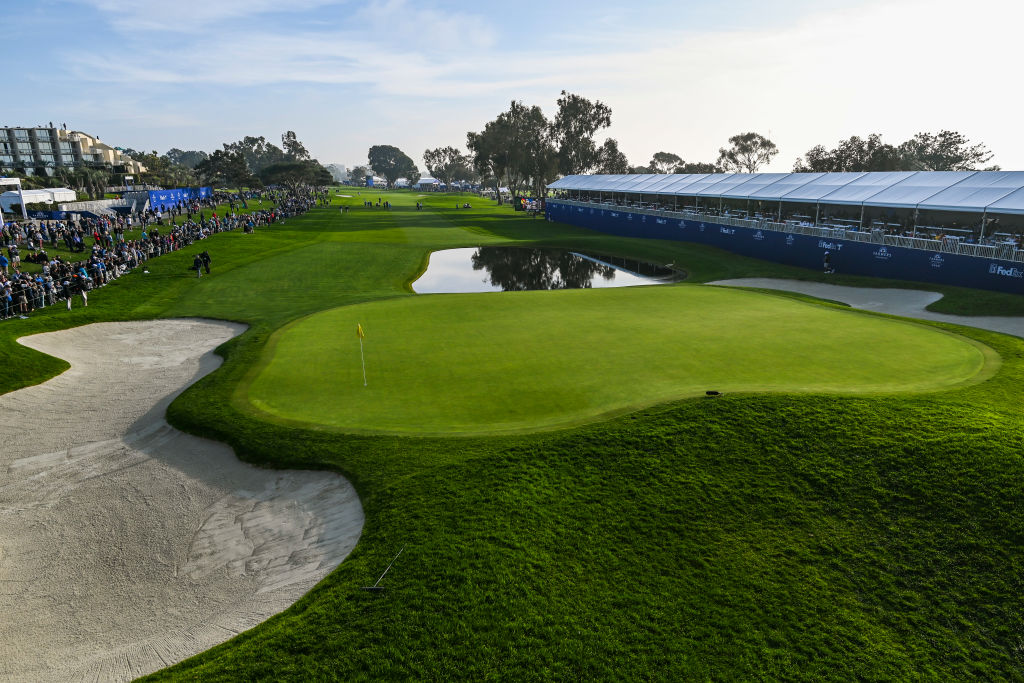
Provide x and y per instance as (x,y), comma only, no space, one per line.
(521,149)
(250,162)
(524,150)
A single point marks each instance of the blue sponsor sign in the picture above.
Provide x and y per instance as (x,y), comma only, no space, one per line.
(807,251)
(167,198)
(48,215)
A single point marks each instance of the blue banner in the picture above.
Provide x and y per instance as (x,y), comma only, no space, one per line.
(48,215)
(807,251)
(161,200)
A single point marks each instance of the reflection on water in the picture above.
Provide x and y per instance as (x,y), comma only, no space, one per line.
(504,269)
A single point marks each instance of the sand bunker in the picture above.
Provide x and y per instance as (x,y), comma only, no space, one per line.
(126,545)
(909,303)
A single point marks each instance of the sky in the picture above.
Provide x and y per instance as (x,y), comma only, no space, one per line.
(679,76)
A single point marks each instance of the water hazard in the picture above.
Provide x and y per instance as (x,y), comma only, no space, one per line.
(508,269)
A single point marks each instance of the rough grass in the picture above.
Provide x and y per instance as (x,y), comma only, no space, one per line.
(783,537)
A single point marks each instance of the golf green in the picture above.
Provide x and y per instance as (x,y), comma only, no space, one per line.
(480,363)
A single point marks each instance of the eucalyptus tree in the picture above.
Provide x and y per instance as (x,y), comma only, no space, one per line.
(746,153)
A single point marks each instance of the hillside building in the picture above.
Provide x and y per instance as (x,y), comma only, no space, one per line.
(41,149)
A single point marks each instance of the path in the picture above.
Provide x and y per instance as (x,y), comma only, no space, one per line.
(909,303)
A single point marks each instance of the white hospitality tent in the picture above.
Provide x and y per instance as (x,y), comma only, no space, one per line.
(427,183)
(15,182)
(973,196)
(53,195)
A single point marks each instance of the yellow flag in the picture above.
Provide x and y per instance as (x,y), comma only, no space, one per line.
(359,331)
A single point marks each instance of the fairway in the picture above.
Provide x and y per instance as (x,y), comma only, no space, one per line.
(522,361)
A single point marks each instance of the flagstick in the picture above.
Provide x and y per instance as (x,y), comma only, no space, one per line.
(362,360)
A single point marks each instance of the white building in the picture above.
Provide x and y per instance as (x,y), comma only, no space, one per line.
(50,148)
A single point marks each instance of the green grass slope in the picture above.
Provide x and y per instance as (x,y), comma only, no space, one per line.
(777,536)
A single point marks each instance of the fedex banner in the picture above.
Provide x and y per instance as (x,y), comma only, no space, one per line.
(807,251)
(169,198)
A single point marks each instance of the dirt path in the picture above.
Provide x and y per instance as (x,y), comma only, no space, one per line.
(126,545)
(909,303)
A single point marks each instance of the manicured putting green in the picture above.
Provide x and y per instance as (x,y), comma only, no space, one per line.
(478,363)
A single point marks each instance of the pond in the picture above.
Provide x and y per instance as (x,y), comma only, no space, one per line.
(506,269)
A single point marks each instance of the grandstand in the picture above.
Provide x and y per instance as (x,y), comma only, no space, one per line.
(954,227)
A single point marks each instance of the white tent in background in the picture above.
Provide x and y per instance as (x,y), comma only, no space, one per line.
(428,183)
(51,195)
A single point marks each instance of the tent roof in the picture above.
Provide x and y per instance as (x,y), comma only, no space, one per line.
(758,183)
(916,188)
(818,185)
(977,191)
(1011,203)
(702,185)
(724,187)
(864,187)
(784,186)
(681,182)
(54,194)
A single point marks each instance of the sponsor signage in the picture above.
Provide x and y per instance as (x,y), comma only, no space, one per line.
(169,198)
(1005,271)
(869,258)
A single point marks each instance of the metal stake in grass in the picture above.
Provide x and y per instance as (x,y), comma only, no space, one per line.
(361,335)
(376,588)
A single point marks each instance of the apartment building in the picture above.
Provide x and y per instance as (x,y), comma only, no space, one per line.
(51,148)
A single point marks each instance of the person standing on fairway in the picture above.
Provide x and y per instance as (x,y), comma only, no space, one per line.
(197,263)
(205,256)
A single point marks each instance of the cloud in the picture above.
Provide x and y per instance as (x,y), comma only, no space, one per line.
(185,16)
(433,31)
(889,67)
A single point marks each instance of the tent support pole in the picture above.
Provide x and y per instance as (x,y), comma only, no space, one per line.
(984,213)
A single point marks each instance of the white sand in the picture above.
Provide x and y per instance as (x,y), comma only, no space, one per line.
(909,303)
(126,545)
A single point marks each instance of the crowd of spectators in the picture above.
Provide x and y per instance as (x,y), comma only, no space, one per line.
(107,252)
